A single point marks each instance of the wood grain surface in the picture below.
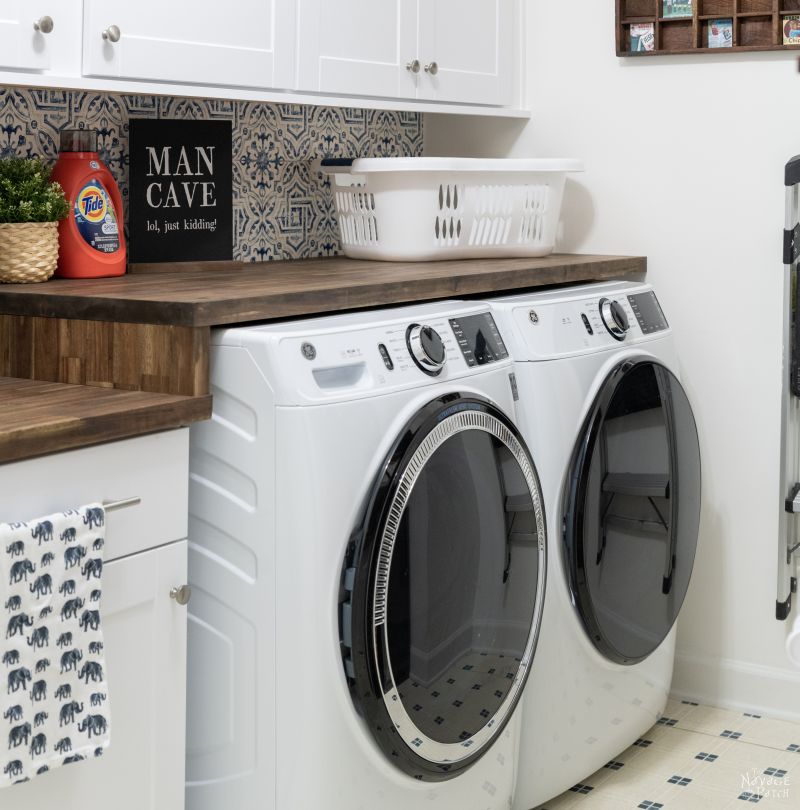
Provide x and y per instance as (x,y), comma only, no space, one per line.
(38,418)
(131,356)
(273,290)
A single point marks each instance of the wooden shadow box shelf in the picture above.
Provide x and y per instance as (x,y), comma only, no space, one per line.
(757,25)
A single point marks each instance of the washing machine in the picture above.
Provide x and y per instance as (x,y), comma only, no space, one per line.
(367,560)
(604,414)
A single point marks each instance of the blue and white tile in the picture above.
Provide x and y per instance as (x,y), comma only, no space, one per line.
(283,208)
(709,759)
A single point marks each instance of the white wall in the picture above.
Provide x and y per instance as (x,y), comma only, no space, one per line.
(684,159)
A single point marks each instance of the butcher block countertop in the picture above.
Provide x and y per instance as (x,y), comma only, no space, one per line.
(274,290)
(38,418)
(90,361)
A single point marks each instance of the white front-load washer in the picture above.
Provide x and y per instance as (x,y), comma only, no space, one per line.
(611,428)
(367,561)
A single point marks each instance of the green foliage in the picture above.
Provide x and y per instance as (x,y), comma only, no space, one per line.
(26,193)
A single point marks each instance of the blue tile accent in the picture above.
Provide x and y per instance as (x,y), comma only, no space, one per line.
(747,796)
(733,735)
(282,208)
(707,757)
(681,781)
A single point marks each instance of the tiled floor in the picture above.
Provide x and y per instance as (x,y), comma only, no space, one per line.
(698,758)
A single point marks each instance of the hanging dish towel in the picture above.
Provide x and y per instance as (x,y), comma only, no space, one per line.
(53,693)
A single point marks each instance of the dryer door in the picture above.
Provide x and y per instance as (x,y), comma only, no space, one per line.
(443,588)
(632,510)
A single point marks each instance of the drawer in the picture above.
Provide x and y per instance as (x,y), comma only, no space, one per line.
(145,647)
(154,468)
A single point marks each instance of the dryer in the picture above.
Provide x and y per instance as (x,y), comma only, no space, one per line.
(610,425)
(368,562)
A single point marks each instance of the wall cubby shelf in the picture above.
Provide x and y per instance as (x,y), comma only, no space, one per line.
(757,25)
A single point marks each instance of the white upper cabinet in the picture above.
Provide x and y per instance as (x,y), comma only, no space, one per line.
(232,44)
(350,47)
(40,35)
(401,54)
(467,51)
(435,50)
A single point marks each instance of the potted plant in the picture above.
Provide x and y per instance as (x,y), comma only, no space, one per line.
(30,209)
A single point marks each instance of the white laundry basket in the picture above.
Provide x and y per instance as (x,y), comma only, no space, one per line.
(419,209)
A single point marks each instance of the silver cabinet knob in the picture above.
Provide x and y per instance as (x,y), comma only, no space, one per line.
(112,33)
(432,68)
(181,595)
(44,25)
(413,66)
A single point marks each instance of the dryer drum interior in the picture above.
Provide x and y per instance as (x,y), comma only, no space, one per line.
(632,510)
(443,588)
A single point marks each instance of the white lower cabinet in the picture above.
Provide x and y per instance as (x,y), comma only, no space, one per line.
(144,627)
(145,638)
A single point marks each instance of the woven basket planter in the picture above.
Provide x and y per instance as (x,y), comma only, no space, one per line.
(28,251)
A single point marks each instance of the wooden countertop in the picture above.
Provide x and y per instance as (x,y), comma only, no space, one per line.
(273,290)
(39,418)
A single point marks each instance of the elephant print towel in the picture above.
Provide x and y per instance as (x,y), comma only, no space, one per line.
(53,690)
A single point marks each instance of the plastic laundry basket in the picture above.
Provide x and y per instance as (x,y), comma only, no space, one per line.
(419,209)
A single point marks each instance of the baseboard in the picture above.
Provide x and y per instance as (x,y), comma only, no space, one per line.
(738,685)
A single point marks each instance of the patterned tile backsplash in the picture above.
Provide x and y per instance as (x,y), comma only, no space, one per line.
(283,209)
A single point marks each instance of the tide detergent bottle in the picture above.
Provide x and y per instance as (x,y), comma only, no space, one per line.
(91,238)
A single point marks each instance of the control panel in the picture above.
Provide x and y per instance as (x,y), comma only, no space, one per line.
(554,325)
(648,312)
(479,339)
(445,343)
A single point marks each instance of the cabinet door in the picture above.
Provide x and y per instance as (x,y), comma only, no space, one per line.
(180,41)
(145,646)
(471,43)
(350,47)
(23,47)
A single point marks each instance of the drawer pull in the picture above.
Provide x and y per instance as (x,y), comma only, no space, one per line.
(181,595)
(110,506)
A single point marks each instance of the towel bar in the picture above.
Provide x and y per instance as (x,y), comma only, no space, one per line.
(110,506)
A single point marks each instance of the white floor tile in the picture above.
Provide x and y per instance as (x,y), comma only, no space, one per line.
(716,759)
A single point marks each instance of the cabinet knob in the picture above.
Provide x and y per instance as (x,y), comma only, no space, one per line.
(432,68)
(112,33)
(413,66)
(181,595)
(44,25)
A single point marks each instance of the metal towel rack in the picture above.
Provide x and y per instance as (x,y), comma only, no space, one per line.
(111,506)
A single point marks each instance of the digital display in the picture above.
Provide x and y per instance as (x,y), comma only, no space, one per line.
(479,339)
(648,312)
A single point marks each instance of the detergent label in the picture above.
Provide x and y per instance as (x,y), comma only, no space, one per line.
(96,218)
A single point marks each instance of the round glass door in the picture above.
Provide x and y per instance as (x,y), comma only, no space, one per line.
(443,588)
(632,510)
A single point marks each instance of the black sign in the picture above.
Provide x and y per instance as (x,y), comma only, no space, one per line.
(181,192)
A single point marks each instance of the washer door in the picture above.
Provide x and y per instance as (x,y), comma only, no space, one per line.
(443,588)
(632,510)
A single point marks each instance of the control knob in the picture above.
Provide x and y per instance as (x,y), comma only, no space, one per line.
(427,348)
(614,318)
